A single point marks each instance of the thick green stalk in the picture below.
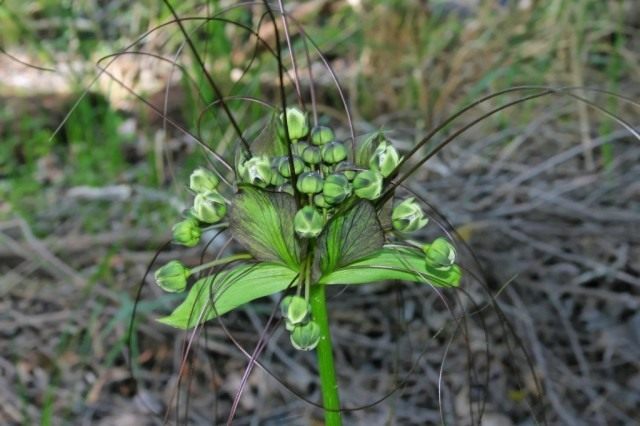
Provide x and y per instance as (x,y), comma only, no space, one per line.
(324,350)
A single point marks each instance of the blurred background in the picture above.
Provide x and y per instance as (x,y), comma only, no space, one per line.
(547,195)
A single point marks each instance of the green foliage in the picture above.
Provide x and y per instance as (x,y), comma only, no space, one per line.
(218,294)
(393,263)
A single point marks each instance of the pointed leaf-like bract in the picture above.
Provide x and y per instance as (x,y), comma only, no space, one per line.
(218,294)
(393,263)
(262,222)
(349,236)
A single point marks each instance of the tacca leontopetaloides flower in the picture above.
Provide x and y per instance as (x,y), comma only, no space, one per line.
(315,219)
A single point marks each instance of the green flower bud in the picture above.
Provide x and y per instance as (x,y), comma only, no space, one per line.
(336,188)
(440,254)
(308,222)
(284,167)
(310,183)
(172,277)
(334,152)
(305,337)
(203,180)
(384,159)
(320,201)
(368,184)
(257,171)
(321,135)
(298,148)
(297,310)
(276,178)
(209,207)
(346,168)
(288,325)
(284,306)
(187,232)
(296,123)
(312,155)
(408,216)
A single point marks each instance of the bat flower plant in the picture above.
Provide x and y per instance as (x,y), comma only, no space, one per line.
(309,212)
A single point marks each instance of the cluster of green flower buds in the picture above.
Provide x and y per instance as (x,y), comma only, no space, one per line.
(324,173)
(208,207)
(305,333)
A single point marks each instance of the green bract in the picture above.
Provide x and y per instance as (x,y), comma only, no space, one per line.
(172,277)
(187,232)
(308,222)
(209,207)
(408,216)
(368,184)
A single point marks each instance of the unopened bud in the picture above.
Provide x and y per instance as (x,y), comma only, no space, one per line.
(440,254)
(187,232)
(310,183)
(408,216)
(257,171)
(308,222)
(172,277)
(334,152)
(209,207)
(347,169)
(368,184)
(312,155)
(336,188)
(305,337)
(284,166)
(384,159)
(297,310)
(296,123)
(320,201)
(203,180)
(298,148)
(321,135)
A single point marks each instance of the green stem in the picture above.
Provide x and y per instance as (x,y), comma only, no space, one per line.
(217,262)
(324,350)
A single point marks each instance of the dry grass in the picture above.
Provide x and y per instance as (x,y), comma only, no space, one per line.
(546,195)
